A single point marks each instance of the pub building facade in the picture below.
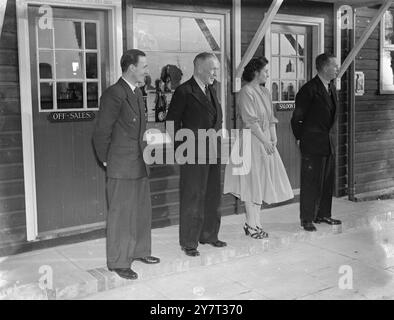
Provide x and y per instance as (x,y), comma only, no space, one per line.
(58,56)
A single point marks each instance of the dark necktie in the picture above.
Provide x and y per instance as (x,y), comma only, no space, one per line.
(331,91)
(211,106)
(208,94)
(331,94)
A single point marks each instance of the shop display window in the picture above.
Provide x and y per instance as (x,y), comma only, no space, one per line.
(171,40)
(387,54)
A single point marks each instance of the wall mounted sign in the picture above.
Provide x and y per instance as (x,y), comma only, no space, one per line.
(359,83)
(346,14)
(71,116)
(286,106)
(344,21)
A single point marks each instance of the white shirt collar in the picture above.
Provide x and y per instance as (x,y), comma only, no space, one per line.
(200,84)
(132,87)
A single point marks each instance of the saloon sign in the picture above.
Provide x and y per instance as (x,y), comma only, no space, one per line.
(290,106)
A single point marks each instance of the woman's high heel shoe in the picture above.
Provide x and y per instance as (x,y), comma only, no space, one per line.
(262,232)
(254,233)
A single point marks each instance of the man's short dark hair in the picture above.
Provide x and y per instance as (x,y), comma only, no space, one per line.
(203,56)
(322,60)
(130,57)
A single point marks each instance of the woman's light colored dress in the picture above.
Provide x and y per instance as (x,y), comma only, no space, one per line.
(266,180)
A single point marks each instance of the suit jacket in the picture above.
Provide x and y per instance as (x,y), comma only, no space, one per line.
(119,131)
(189,109)
(314,118)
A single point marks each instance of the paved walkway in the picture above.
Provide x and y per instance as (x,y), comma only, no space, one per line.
(352,265)
(78,270)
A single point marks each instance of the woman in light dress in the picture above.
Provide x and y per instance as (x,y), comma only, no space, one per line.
(265,179)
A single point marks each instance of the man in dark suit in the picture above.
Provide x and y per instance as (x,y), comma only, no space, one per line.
(119,144)
(313,125)
(195,106)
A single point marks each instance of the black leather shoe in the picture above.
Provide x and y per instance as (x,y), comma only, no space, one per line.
(308,226)
(191,252)
(125,273)
(327,220)
(148,260)
(217,243)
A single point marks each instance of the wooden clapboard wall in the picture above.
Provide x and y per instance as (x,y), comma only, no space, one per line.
(164,178)
(12,202)
(374,146)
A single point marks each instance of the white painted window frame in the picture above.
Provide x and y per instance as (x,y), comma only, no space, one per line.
(208,15)
(383,48)
(84,80)
(317,37)
(297,79)
(114,9)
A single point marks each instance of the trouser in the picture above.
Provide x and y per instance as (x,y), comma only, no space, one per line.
(317,184)
(128,221)
(200,194)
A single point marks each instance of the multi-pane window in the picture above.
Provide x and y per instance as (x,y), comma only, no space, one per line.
(288,67)
(387,53)
(171,40)
(68,60)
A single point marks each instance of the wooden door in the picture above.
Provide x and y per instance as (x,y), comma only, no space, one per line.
(70,69)
(290,64)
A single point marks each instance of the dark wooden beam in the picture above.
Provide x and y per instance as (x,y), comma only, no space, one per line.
(259,35)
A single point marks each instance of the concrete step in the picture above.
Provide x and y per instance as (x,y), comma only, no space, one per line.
(376,195)
(79,270)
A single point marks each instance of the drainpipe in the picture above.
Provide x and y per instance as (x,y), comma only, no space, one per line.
(351,116)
